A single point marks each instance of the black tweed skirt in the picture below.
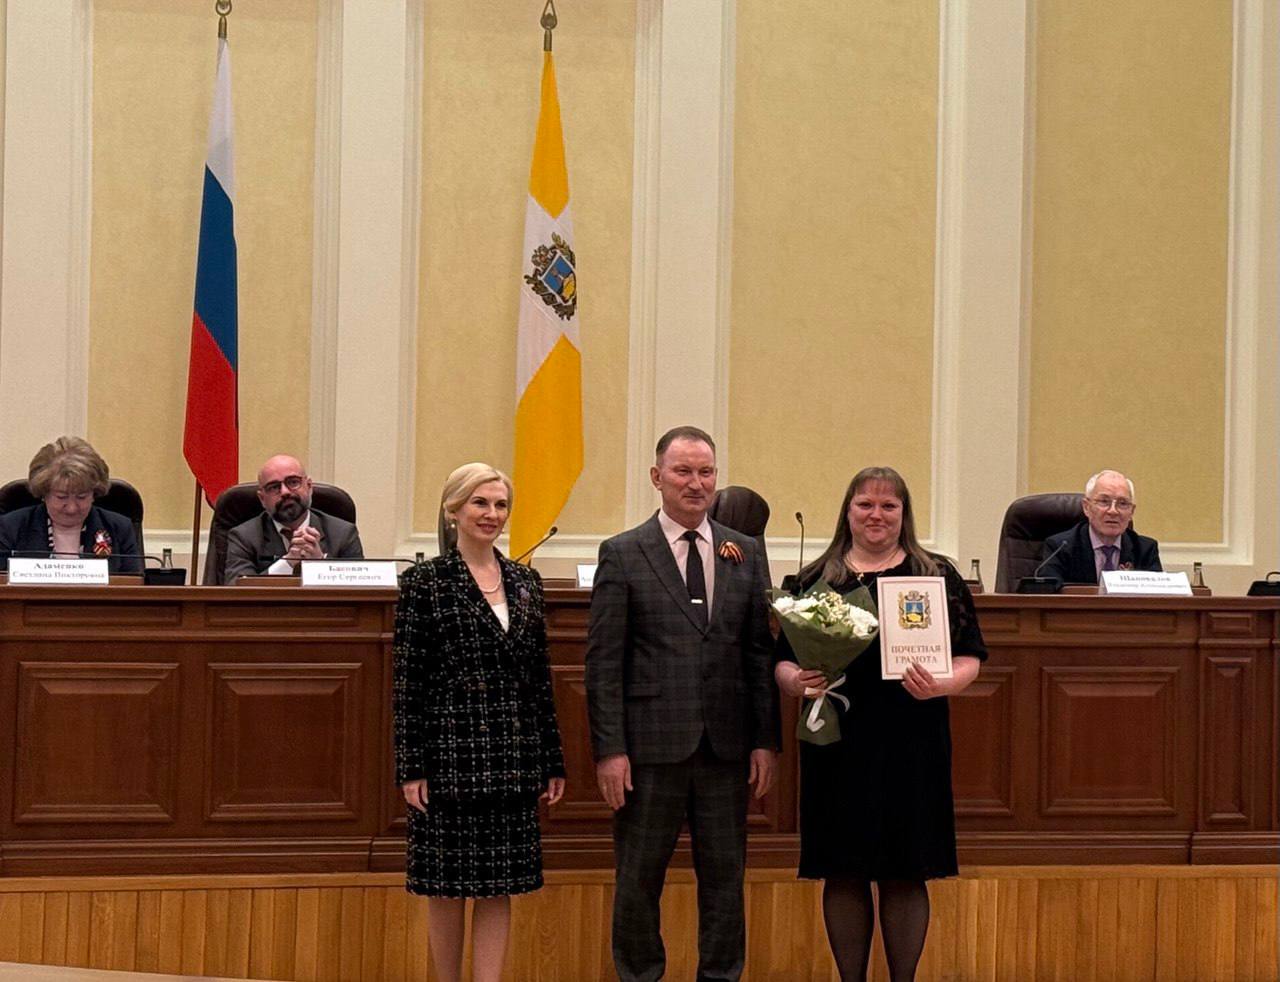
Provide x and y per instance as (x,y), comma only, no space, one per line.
(473,848)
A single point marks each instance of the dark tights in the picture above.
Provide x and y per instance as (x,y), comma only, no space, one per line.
(850,919)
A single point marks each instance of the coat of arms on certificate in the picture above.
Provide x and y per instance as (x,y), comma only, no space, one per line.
(921,631)
(913,610)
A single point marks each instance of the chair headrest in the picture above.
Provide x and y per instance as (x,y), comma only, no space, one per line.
(1038,516)
(741,509)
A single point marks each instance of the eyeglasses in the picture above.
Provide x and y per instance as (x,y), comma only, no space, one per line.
(293,482)
(1106,504)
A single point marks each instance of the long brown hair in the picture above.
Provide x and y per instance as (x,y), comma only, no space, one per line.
(830,565)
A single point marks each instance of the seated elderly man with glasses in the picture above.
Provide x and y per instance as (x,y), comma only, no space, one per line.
(289,529)
(1104,539)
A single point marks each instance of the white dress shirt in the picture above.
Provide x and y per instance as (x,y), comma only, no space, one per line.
(282,566)
(673,531)
(1100,557)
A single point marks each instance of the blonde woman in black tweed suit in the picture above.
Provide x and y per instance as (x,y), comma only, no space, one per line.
(475,726)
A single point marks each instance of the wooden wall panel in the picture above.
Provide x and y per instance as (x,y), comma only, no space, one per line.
(982,730)
(996,923)
(100,742)
(284,742)
(1109,741)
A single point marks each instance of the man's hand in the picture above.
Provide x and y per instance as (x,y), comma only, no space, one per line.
(415,794)
(613,774)
(762,771)
(305,544)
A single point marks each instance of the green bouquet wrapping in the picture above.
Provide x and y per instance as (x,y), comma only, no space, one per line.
(827,631)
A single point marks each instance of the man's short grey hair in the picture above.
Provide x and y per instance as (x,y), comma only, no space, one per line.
(1089,485)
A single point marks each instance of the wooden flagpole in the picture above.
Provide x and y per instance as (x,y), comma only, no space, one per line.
(195,536)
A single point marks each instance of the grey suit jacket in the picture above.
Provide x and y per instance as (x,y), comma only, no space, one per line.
(254,545)
(655,679)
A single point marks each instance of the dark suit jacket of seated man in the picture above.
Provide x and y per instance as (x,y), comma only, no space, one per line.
(289,529)
(1078,554)
(682,707)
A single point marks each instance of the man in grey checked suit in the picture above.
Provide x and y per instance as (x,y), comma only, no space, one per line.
(683,709)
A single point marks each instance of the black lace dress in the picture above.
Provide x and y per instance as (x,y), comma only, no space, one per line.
(877,805)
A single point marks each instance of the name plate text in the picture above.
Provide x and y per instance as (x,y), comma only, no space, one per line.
(349,572)
(1137,583)
(78,572)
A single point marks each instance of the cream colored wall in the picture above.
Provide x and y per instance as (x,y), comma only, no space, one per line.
(1129,254)
(152,91)
(480,105)
(835,148)
(695,132)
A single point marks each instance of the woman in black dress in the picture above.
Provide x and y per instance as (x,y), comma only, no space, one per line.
(475,726)
(876,805)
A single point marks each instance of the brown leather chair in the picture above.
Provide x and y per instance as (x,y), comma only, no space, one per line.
(121,498)
(742,510)
(240,503)
(1027,523)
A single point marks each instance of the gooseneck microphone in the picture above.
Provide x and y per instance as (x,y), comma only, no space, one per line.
(1035,583)
(791,582)
(529,552)
(800,565)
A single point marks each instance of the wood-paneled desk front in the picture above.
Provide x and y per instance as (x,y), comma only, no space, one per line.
(158,729)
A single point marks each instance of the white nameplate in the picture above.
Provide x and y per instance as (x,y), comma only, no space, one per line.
(914,625)
(62,571)
(1136,583)
(349,572)
(586,575)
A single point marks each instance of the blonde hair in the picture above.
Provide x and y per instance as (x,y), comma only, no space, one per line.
(459,485)
(70,463)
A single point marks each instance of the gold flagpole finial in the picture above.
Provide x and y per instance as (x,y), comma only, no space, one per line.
(223,9)
(548,23)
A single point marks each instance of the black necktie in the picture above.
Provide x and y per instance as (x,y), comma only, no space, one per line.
(694,578)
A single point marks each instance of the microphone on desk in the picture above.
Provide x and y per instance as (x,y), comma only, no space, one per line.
(1035,583)
(791,582)
(529,552)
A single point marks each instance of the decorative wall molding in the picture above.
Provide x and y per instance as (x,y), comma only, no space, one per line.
(324,279)
(380,95)
(47,208)
(643,342)
(1244,285)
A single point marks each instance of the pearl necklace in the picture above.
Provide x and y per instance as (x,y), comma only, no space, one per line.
(490,590)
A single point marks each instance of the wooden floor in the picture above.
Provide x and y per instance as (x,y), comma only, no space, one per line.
(11,972)
(1015,923)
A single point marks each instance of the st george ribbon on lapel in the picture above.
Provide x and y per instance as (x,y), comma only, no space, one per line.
(695,579)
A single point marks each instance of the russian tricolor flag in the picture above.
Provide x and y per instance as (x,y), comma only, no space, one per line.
(211,438)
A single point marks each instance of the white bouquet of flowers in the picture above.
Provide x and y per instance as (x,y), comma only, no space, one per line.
(827,631)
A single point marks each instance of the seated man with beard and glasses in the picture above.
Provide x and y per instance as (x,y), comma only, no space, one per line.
(289,529)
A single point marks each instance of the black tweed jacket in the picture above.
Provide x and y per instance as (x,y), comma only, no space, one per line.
(474,713)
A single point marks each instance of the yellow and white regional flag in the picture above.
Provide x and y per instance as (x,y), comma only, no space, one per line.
(548,347)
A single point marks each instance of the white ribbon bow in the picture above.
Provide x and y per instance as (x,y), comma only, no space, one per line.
(813,723)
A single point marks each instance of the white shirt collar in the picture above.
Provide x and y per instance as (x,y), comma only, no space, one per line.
(306,521)
(673,530)
(1098,541)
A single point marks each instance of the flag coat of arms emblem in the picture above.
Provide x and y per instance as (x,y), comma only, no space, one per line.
(548,432)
